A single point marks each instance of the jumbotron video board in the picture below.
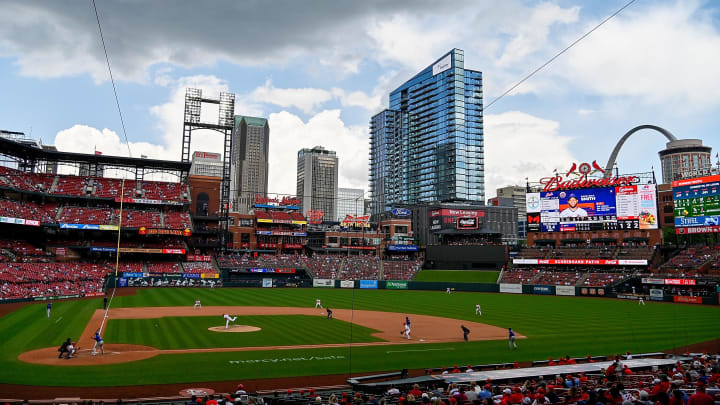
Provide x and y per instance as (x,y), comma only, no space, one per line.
(697,205)
(622,208)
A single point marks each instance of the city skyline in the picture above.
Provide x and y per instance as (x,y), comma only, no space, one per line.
(649,65)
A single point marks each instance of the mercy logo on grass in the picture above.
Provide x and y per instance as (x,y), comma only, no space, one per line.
(286,359)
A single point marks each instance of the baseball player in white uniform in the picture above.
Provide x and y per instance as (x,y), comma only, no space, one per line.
(406,332)
(478,310)
(641,301)
(228,319)
(318,304)
(197,304)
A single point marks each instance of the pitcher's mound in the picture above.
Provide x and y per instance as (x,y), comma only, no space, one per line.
(235,328)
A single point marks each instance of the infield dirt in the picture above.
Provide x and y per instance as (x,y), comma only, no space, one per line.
(425,329)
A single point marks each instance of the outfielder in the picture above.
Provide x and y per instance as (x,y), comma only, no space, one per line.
(98,343)
(318,304)
(511,339)
(478,310)
(228,319)
(48,307)
(641,301)
(197,304)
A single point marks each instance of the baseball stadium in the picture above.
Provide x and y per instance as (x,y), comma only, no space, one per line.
(125,288)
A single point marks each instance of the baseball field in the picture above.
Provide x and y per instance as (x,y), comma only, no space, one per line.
(156,337)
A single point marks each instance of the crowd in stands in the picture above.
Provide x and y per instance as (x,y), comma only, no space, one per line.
(27,280)
(330,266)
(694,382)
(163,267)
(587,277)
(91,186)
(177,220)
(198,267)
(132,218)
(401,269)
(28,210)
(693,260)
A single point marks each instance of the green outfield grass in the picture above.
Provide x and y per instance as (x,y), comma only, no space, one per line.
(276,330)
(458,276)
(555,326)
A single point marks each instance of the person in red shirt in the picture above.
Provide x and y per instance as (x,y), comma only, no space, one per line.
(700,397)
(583,378)
(589,359)
(416,391)
(627,371)
(456,370)
(552,362)
(516,397)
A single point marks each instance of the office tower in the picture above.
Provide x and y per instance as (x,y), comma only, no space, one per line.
(317,181)
(428,146)
(350,202)
(249,174)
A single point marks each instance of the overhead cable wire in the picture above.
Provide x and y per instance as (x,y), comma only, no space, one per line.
(112,80)
(557,55)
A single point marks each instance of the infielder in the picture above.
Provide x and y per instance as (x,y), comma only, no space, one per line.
(228,319)
(48,307)
(98,343)
(511,339)
(197,304)
(406,332)
(447,290)
(318,304)
(641,301)
(478,310)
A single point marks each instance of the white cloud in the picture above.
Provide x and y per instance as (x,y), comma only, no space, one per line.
(519,145)
(289,133)
(414,43)
(306,99)
(531,33)
(371,103)
(664,54)
(585,111)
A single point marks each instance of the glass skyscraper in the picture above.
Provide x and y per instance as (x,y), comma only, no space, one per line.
(428,146)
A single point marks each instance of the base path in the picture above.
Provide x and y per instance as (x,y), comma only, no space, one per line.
(425,329)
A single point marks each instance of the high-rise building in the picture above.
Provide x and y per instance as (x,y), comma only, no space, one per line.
(317,181)
(249,173)
(206,164)
(350,202)
(684,159)
(516,197)
(428,146)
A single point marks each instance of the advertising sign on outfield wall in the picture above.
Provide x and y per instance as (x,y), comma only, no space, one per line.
(323,282)
(511,288)
(542,290)
(347,284)
(564,290)
(687,300)
(267,283)
(656,294)
(373,284)
(396,285)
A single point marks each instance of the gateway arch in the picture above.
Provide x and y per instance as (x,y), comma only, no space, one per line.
(613,156)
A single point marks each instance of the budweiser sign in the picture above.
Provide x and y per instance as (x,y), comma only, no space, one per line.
(285,201)
(578,177)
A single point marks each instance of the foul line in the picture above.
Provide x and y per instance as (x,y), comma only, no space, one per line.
(418,350)
(59,319)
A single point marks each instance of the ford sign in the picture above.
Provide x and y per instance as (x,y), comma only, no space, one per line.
(401,212)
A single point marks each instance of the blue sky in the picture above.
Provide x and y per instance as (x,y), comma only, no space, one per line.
(319,70)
